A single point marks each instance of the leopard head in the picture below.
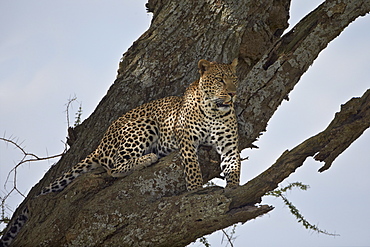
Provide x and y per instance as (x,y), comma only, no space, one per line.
(218,83)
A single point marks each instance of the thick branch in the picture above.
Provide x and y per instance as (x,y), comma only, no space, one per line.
(346,127)
(150,208)
(274,76)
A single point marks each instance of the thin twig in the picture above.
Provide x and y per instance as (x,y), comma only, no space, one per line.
(25,159)
(70,101)
(229,237)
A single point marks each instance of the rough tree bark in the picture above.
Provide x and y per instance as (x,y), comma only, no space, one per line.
(152,207)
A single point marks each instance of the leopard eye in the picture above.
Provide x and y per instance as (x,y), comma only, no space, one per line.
(220,79)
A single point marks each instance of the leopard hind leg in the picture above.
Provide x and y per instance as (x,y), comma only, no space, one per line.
(138,148)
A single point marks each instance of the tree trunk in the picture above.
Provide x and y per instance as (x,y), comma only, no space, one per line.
(151,207)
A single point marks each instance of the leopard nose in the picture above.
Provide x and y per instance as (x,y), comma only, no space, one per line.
(232,94)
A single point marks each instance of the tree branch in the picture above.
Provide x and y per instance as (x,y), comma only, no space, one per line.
(149,204)
(345,128)
(348,125)
(276,74)
(22,161)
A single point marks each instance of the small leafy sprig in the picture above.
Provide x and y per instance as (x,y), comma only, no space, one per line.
(293,209)
(78,116)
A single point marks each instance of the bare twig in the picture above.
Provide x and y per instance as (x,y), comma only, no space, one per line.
(27,157)
(229,236)
(31,157)
(70,101)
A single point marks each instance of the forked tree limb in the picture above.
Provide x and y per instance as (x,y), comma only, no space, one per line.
(271,80)
(345,128)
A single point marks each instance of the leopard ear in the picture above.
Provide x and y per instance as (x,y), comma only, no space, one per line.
(233,64)
(203,65)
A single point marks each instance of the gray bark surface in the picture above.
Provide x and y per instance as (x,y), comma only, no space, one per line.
(151,207)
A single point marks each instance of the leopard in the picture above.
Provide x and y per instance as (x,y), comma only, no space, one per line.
(203,115)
